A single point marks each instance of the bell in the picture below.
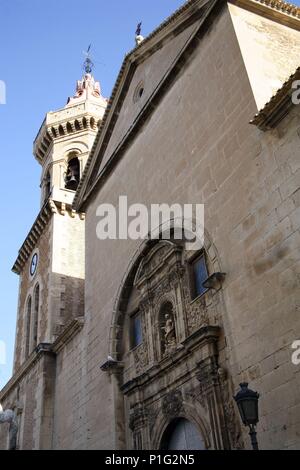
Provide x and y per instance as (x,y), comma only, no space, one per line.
(72,176)
(73,179)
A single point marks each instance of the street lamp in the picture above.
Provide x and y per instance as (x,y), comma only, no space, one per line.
(247,402)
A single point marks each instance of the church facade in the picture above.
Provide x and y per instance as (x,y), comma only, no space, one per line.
(141,344)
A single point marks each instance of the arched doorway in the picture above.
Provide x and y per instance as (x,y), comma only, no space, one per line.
(182,434)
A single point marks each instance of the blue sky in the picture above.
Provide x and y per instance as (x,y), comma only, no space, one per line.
(42,44)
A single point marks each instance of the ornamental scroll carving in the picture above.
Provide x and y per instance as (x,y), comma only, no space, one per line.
(141,357)
(197,316)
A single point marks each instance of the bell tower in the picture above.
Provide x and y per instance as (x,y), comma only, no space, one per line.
(65,139)
(51,260)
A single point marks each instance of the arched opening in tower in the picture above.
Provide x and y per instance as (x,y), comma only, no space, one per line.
(73,174)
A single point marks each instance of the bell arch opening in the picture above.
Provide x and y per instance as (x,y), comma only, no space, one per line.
(72,177)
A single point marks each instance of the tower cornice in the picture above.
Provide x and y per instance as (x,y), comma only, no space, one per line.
(67,122)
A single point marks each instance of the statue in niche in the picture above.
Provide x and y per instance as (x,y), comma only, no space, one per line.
(168,329)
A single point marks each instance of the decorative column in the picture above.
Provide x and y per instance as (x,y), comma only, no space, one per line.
(115,371)
(211,395)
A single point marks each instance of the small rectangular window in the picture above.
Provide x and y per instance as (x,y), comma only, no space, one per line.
(199,273)
(136,330)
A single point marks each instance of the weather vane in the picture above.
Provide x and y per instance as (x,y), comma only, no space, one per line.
(138,37)
(88,63)
(138,29)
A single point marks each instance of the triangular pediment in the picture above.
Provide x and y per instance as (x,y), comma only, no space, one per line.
(147,77)
(150,66)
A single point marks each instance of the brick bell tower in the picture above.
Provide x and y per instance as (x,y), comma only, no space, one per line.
(51,261)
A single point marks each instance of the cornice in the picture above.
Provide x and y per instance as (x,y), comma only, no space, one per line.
(205,335)
(285,13)
(40,351)
(34,235)
(68,333)
(278,107)
(55,129)
(49,208)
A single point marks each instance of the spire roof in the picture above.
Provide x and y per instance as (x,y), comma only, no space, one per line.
(86,89)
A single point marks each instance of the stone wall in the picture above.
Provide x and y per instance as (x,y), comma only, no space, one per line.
(67,270)
(71,422)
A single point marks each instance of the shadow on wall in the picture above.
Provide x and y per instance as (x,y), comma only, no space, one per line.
(67,300)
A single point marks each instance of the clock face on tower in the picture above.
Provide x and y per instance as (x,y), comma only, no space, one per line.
(33,264)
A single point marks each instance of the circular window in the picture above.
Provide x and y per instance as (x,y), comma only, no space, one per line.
(33,264)
(139,91)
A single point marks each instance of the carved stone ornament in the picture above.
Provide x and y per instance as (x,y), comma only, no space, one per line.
(162,288)
(146,302)
(172,404)
(141,353)
(137,418)
(197,317)
(176,275)
(195,394)
(141,357)
(207,374)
